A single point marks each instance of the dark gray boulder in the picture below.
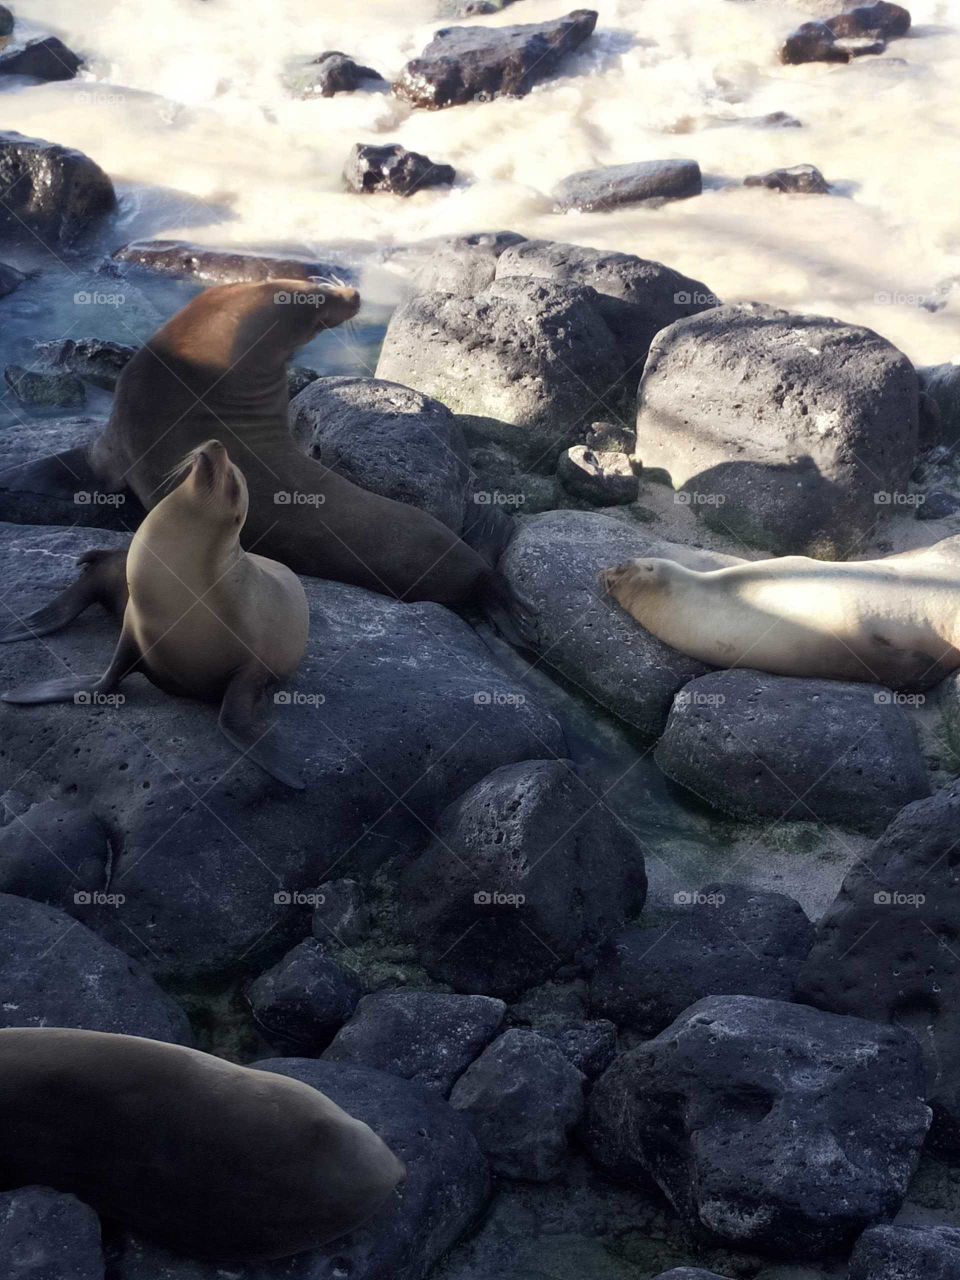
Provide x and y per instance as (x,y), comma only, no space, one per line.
(522,1097)
(328,74)
(395,169)
(445,1190)
(10,279)
(46,59)
(54,193)
(45,1235)
(619,184)
(341,916)
(464,64)
(189,261)
(907,1253)
(887,947)
(636,297)
(526,871)
(784,430)
(94,360)
(821,42)
(533,358)
(554,564)
(389,439)
(54,972)
(881,18)
(426,1036)
(45,390)
(303,1000)
(589,1045)
(937,504)
(168,780)
(52,852)
(941,382)
(799,179)
(452,264)
(762,746)
(723,939)
(777,1128)
(606,479)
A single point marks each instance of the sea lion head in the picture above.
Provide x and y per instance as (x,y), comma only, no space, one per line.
(305,308)
(213,486)
(631,582)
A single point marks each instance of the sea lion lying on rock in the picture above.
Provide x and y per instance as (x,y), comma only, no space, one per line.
(201,617)
(894,622)
(208,1158)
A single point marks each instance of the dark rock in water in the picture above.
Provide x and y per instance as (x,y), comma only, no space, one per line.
(605,479)
(883,19)
(523,1098)
(724,939)
(219,266)
(53,852)
(453,264)
(10,279)
(328,74)
(758,745)
(462,64)
(635,297)
(526,872)
(52,192)
(813,42)
(305,999)
(395,169)
(364,737)
(445,1190)
(588,1045)
(777,1128)
(554,562)
(937,504)
(6,21)
(389,439)
(802,450)
(941,383)
(341,915)
(532,358)
(425,1036)
(886,947)
(299,377)
(907,1253)
(619,184)
(93,359)
(47,59)
(45,1235)
(54,972)
(802,179)
(471,8)
(45,390)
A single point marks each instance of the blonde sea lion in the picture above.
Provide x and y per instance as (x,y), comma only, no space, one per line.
(202,617)
(213,1160)
(218,369)
(893,622)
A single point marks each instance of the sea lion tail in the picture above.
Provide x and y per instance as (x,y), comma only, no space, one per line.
(512,614)
(102,581)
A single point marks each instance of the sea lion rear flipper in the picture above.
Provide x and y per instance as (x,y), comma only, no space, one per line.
(103,581)
(238,724)
(82,689)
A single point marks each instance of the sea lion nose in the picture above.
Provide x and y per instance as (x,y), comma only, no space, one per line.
(350,299)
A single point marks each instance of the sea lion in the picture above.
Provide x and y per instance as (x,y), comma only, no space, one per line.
(211,1159)
(218,368)
(893,622)
(202,617)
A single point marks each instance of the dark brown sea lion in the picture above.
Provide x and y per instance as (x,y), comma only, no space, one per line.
(203,618)
(210,1159)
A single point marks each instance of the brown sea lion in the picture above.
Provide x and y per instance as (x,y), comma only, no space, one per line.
(211,1159)
(203,618)
(894,622)
(218,369)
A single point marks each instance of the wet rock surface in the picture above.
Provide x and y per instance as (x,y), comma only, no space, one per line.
(46,59)
(328,74)
(45,390)
(800,179)
(395,169)
(54,193)
(93,359)
(620,184)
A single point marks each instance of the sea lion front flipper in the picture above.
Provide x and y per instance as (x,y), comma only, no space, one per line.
(103,581)
(126,658)
(242,700)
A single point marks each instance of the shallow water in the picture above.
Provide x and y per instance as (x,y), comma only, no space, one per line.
(183,104)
